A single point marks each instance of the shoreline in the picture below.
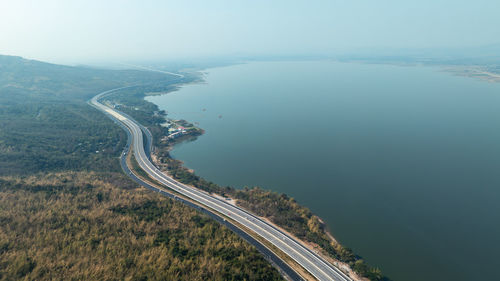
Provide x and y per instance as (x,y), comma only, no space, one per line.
(438,68)
(316,248)
(478,72)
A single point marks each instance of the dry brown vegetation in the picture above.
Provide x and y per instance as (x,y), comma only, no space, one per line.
(93,223)
(90,226)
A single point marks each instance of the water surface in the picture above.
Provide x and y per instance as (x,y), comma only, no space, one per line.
(401,162)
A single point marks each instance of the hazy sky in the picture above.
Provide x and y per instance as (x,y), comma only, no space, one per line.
(93,30)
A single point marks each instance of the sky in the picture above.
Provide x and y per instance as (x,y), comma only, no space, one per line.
(74,31)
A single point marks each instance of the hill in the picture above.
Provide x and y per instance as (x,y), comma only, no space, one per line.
(66,210)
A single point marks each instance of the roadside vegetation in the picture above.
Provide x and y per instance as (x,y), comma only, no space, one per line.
(280,209)
(45,123)
(89,226)
(67,212)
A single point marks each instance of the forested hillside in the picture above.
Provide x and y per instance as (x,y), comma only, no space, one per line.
(66,210)
(45,123)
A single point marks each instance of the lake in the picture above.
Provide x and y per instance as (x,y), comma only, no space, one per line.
(401,162)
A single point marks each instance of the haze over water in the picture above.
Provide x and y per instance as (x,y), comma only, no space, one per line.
(401,162)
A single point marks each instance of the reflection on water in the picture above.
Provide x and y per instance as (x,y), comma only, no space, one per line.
(401,162)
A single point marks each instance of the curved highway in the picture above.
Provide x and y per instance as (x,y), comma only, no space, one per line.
(314,264)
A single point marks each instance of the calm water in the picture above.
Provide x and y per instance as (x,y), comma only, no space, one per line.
(402,162)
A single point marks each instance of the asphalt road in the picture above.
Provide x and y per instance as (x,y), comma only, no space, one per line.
(283,267)
(314,264)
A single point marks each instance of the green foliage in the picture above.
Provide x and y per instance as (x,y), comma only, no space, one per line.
(147,211)
(45,123)
(55,137)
